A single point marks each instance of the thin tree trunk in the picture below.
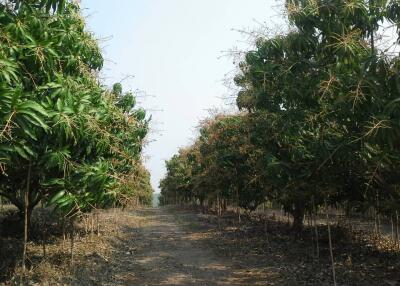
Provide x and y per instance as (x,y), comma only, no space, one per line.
(44,233)
(378,214)
(315,227)
(26,207)
(44,249)
(91,226)
(72,236)
(238,206)
(316,236)
(98,223)
(330,246)
(219,213)
(266,229)
(217,206)
(391,222)
(379,224)
(85,223)
(397,229)
(115,219)
(63,233)
(298,218)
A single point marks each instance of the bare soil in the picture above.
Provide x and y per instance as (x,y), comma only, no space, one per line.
(265,251)
(167,246)
(160,250)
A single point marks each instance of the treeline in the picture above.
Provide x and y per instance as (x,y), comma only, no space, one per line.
(65,140)
(319,122)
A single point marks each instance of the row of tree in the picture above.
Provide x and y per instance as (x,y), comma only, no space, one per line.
(65,140)
(319,121)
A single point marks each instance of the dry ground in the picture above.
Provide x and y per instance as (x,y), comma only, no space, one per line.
(165,246)
(160,250)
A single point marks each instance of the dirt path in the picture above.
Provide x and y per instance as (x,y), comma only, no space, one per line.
(160,251)
(182,247)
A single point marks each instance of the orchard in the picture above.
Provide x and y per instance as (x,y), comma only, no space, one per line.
(297,184)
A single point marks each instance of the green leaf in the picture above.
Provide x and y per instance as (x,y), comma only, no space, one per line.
(35,106)
(21,152)
(34,119)
(56,197)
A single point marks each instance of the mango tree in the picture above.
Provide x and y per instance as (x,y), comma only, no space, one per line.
(65,139)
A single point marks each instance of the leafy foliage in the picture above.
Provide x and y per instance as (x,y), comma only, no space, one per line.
(322,117)
(80,141)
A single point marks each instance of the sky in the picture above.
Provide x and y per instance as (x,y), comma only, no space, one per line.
(174,54)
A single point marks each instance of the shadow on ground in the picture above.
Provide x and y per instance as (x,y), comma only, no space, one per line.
(154,249)
(173,247)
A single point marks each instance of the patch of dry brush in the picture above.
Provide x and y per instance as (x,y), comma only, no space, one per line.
(49,251)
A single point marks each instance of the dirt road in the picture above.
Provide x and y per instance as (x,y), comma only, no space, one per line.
(155,249)
(182,247)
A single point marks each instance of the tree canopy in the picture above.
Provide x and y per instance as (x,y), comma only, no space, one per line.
(320,121)
(75,143)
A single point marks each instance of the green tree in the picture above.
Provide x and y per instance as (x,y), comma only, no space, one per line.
(78,142)
(324,90)
(321,123)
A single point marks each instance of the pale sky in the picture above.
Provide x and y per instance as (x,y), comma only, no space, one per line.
(174,50)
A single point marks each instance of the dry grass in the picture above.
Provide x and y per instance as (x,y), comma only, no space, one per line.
(49,259)
(130,246)
(361,258)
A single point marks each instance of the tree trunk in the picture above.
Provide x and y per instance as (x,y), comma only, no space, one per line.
(238,205)
(26,218)
(21,215)
(397,230)
(314,220)
(203,210)
(298,219)
(97,223)
(330,245)
(72,245)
